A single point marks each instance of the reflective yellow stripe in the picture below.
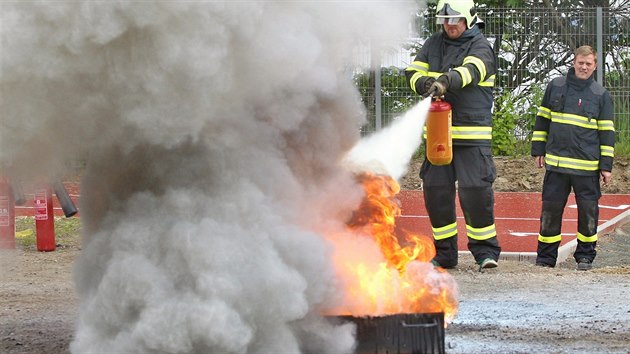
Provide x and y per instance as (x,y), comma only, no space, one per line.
(605,150)
(573,119)
(489,82)
(419,66)
(539,135)
(586,238)
(413,80)
(467,133)
(605,125)
(549,239)
(478,63)
(440,233)
(544,112)
(472,133)
(567,162)
(482,233)
(421,69)
(465,74)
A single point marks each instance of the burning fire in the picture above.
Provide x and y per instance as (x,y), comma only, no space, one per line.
(381,276)
(377,217)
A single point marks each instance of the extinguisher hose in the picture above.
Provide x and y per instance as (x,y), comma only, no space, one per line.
(18,194)
(68,207)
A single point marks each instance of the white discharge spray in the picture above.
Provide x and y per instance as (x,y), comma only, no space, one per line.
(214,134)
(389,151)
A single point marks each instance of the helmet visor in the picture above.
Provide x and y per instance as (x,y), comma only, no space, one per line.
(449,20)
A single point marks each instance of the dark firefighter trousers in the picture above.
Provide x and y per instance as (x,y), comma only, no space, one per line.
(474,170)
(556,190)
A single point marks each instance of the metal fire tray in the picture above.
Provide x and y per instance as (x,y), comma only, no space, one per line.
(401,333)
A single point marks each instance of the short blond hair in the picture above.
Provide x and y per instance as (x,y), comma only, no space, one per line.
(586,50)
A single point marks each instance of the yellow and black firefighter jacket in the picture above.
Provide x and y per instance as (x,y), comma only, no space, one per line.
(574,127)
(469,62)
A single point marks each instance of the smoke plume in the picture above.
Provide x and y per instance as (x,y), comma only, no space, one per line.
(214,134)
(389,151)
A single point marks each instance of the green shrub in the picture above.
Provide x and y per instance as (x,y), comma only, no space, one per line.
(513,121)
(622,146)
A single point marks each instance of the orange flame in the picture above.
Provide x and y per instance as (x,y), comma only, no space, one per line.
(377,217)
(380,276)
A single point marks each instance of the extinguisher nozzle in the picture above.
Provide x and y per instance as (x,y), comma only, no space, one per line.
(431,93)
(68,207)
(18,194)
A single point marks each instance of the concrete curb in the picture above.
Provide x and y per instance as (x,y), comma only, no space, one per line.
(568,248)
(510,256)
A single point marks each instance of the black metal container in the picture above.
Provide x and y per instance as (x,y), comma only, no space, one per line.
(415,333)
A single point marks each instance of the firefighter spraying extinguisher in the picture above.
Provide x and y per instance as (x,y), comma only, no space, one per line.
(439,142)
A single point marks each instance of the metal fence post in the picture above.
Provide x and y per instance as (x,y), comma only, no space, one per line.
(600,46)
(376,56)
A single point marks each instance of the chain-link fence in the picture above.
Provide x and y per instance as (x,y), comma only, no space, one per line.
(532,45)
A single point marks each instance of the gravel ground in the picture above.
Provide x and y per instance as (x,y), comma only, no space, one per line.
(516,308)
(521,308)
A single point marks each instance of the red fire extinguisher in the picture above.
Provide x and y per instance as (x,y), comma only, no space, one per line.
(44,220)
(439,144)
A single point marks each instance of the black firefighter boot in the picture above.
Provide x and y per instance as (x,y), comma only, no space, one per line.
(446,253)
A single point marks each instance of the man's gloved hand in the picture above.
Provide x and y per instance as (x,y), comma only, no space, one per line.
(440,86)
(428,83)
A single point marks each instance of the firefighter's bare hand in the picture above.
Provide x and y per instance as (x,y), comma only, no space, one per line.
(440,86)
(606,176)
(540,161)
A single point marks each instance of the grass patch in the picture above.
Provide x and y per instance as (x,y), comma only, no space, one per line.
(67,233)
(622,146)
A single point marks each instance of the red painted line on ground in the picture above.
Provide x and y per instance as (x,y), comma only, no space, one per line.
(516,217)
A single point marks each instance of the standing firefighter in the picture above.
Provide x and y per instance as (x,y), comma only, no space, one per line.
(573,139)
(460,64)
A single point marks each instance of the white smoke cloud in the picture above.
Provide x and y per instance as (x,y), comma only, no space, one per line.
(389,151)
(214,134)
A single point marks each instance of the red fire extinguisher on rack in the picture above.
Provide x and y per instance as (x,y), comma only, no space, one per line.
(439,144)
(44,219)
